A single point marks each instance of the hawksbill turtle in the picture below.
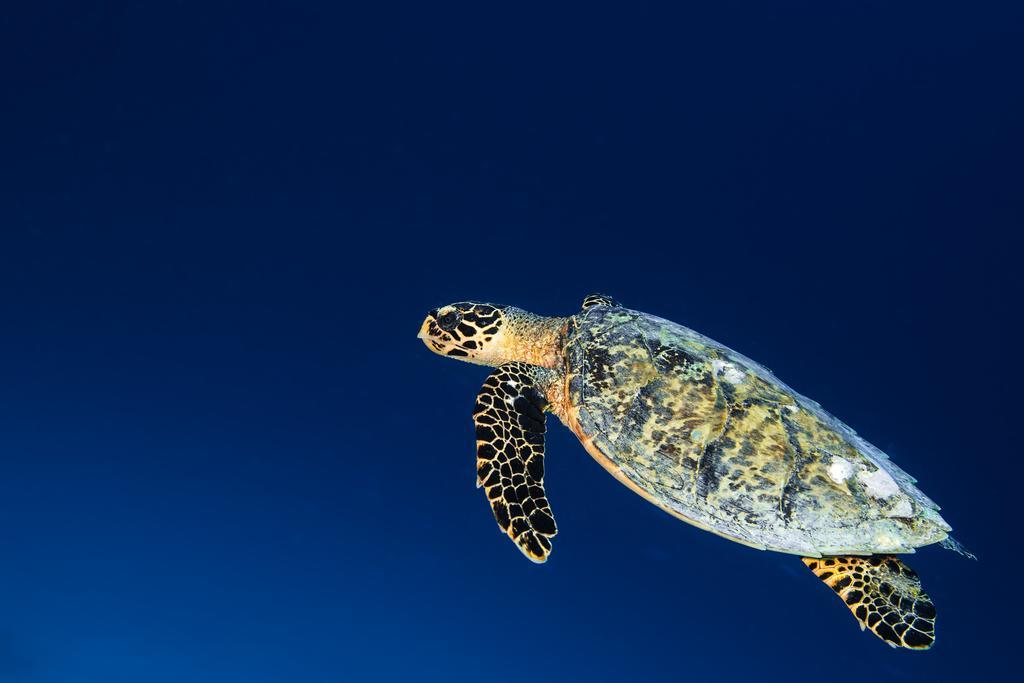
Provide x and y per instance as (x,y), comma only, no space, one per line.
(702,432)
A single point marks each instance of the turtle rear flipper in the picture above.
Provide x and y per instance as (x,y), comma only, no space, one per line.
(509,418)
(884,595)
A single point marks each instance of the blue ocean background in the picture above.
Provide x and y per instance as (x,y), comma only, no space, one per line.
(225,455)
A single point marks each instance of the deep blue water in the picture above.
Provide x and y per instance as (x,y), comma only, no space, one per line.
(225,455)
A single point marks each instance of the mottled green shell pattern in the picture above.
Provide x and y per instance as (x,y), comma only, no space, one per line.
(715,439)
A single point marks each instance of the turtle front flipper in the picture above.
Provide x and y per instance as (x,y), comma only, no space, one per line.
(509,418)
(884,595)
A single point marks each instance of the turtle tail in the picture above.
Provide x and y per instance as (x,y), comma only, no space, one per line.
(884,595)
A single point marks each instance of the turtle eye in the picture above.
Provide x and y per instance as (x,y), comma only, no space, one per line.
(448,321)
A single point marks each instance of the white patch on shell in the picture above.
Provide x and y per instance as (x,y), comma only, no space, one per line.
(902,508)
(727,371)
(878,483)
(840,469)
(886,543)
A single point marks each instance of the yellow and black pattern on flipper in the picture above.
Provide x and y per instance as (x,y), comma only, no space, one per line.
(509,418)
(884,594)
(598,300)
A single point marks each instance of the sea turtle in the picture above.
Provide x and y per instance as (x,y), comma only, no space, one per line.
(702,432)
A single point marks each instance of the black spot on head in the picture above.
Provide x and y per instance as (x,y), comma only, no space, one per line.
(457,352)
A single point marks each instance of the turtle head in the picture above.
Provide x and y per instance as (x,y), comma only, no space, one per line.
(467,331)
(486,334)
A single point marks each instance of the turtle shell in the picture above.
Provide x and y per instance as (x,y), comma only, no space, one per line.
(716,440)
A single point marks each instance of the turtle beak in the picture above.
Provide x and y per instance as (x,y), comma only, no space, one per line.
(425,336)
(423,329)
